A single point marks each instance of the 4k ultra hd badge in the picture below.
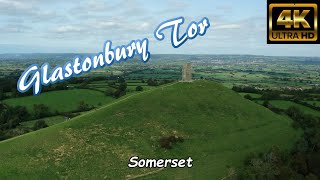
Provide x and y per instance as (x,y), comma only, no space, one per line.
(293,22)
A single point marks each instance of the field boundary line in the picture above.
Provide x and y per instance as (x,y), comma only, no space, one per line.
(93,110)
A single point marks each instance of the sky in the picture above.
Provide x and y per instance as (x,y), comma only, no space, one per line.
(82,26)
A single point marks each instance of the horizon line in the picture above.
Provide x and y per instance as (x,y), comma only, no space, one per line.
(167,54)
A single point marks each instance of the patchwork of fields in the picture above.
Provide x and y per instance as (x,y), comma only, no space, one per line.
(99,120)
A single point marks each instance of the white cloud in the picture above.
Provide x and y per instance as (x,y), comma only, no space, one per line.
(14,7)
(70,25)
(228,26)
(68,29)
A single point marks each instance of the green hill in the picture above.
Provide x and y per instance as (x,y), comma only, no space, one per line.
(219,127)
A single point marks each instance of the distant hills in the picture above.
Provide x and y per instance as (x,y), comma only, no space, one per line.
(47,57)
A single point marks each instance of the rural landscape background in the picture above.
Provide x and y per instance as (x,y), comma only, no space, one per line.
(243,117)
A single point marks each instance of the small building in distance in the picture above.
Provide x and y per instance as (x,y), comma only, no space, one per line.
(187,73)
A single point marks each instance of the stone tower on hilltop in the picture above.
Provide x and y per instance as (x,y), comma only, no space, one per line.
(186,73)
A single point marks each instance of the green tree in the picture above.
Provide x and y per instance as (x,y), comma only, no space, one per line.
(119,93)
(266,104)
(39,125)
(270,95)
(294,112)
(8,117)
(1,94)
(22,113)
(41,111)
(61,86)
(122,86)
(152,82)
(247,96)
(83,106)
(139,88)
(121,80)
(12,123)
(109,92)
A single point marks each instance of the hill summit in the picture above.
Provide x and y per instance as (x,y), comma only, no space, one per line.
(212,124)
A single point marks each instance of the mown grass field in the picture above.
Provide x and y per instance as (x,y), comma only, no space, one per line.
(219,127)
(62,101)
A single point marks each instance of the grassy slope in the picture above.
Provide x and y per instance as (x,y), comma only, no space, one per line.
(62,101)
(219,126)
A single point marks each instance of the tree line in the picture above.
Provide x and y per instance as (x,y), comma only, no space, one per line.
(296,96)
(301,162)
(12,116)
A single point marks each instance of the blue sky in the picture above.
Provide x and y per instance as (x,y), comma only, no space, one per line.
(74,26)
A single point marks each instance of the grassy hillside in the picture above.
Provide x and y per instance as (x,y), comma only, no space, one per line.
(62,101)
(219,127)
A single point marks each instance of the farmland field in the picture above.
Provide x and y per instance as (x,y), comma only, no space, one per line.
(62,101)
(286,104)
(235,107)
(282,104)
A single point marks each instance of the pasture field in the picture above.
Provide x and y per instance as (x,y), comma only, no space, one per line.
(286,104)
(62,101)
(283,104)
